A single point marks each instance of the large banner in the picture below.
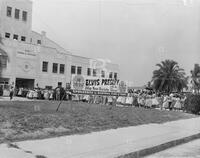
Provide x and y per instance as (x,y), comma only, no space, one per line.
(98,86)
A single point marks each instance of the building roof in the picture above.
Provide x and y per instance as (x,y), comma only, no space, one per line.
(56,45)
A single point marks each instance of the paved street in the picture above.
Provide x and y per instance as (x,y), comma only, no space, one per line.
(189,150)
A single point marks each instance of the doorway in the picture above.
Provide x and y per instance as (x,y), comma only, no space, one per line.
(24,83)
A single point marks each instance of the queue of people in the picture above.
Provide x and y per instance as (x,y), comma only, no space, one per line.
(43,94)
(138,99)
(94,99)
(153,100)
(146,99)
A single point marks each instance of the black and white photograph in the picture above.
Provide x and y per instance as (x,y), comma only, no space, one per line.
(99,78)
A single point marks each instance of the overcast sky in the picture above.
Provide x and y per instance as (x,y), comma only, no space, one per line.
(137,34)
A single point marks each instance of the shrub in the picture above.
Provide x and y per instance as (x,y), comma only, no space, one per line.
(192,104)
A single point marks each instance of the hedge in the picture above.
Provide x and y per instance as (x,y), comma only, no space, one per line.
(192,103)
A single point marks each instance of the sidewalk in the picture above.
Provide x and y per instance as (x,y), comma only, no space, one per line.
(138,140)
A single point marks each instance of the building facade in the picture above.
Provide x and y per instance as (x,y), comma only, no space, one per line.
(36,61)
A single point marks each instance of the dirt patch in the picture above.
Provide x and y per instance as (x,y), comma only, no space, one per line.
(10,145)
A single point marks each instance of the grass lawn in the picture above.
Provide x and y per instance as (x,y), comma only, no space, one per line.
(20,120)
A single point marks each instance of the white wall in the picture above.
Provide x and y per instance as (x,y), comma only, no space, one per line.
(12,25)
(86,63)
(49,78)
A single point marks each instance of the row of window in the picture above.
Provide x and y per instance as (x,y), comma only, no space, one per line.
(92,72)
(45,65)
(17,13)
(73,70)
(17,37)
(54,68)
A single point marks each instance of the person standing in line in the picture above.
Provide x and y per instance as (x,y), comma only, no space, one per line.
(11,93)
(58,93)
(165,102)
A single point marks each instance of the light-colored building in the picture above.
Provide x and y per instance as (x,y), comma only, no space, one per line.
(34,59)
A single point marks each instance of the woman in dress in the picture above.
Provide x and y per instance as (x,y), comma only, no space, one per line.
(178,105)
(148,102)
(165,103)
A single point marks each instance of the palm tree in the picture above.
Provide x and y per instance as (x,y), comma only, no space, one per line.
(196,78)
(169,77)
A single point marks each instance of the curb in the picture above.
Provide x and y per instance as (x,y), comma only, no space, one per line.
(161,147)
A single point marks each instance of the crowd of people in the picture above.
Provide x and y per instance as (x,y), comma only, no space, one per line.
(137,99)
(42,94)
(149,99)
(140,98)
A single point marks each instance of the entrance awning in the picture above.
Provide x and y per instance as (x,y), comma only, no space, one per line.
(3,53)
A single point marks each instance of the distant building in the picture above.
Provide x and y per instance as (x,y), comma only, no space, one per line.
(34,59)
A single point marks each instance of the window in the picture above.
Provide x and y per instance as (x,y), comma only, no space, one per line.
(59,84)
(62,68)
(94,72)
(45,66)
(79,70)
(3,61)
(89,71)
(9,11)
(39,42)
(115,76)
(17,13)
(7,35)
(15,37)
(102,73)
(24,16)
(73,69)
(55,68)
(23,38)
(111,75)
(4,81)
